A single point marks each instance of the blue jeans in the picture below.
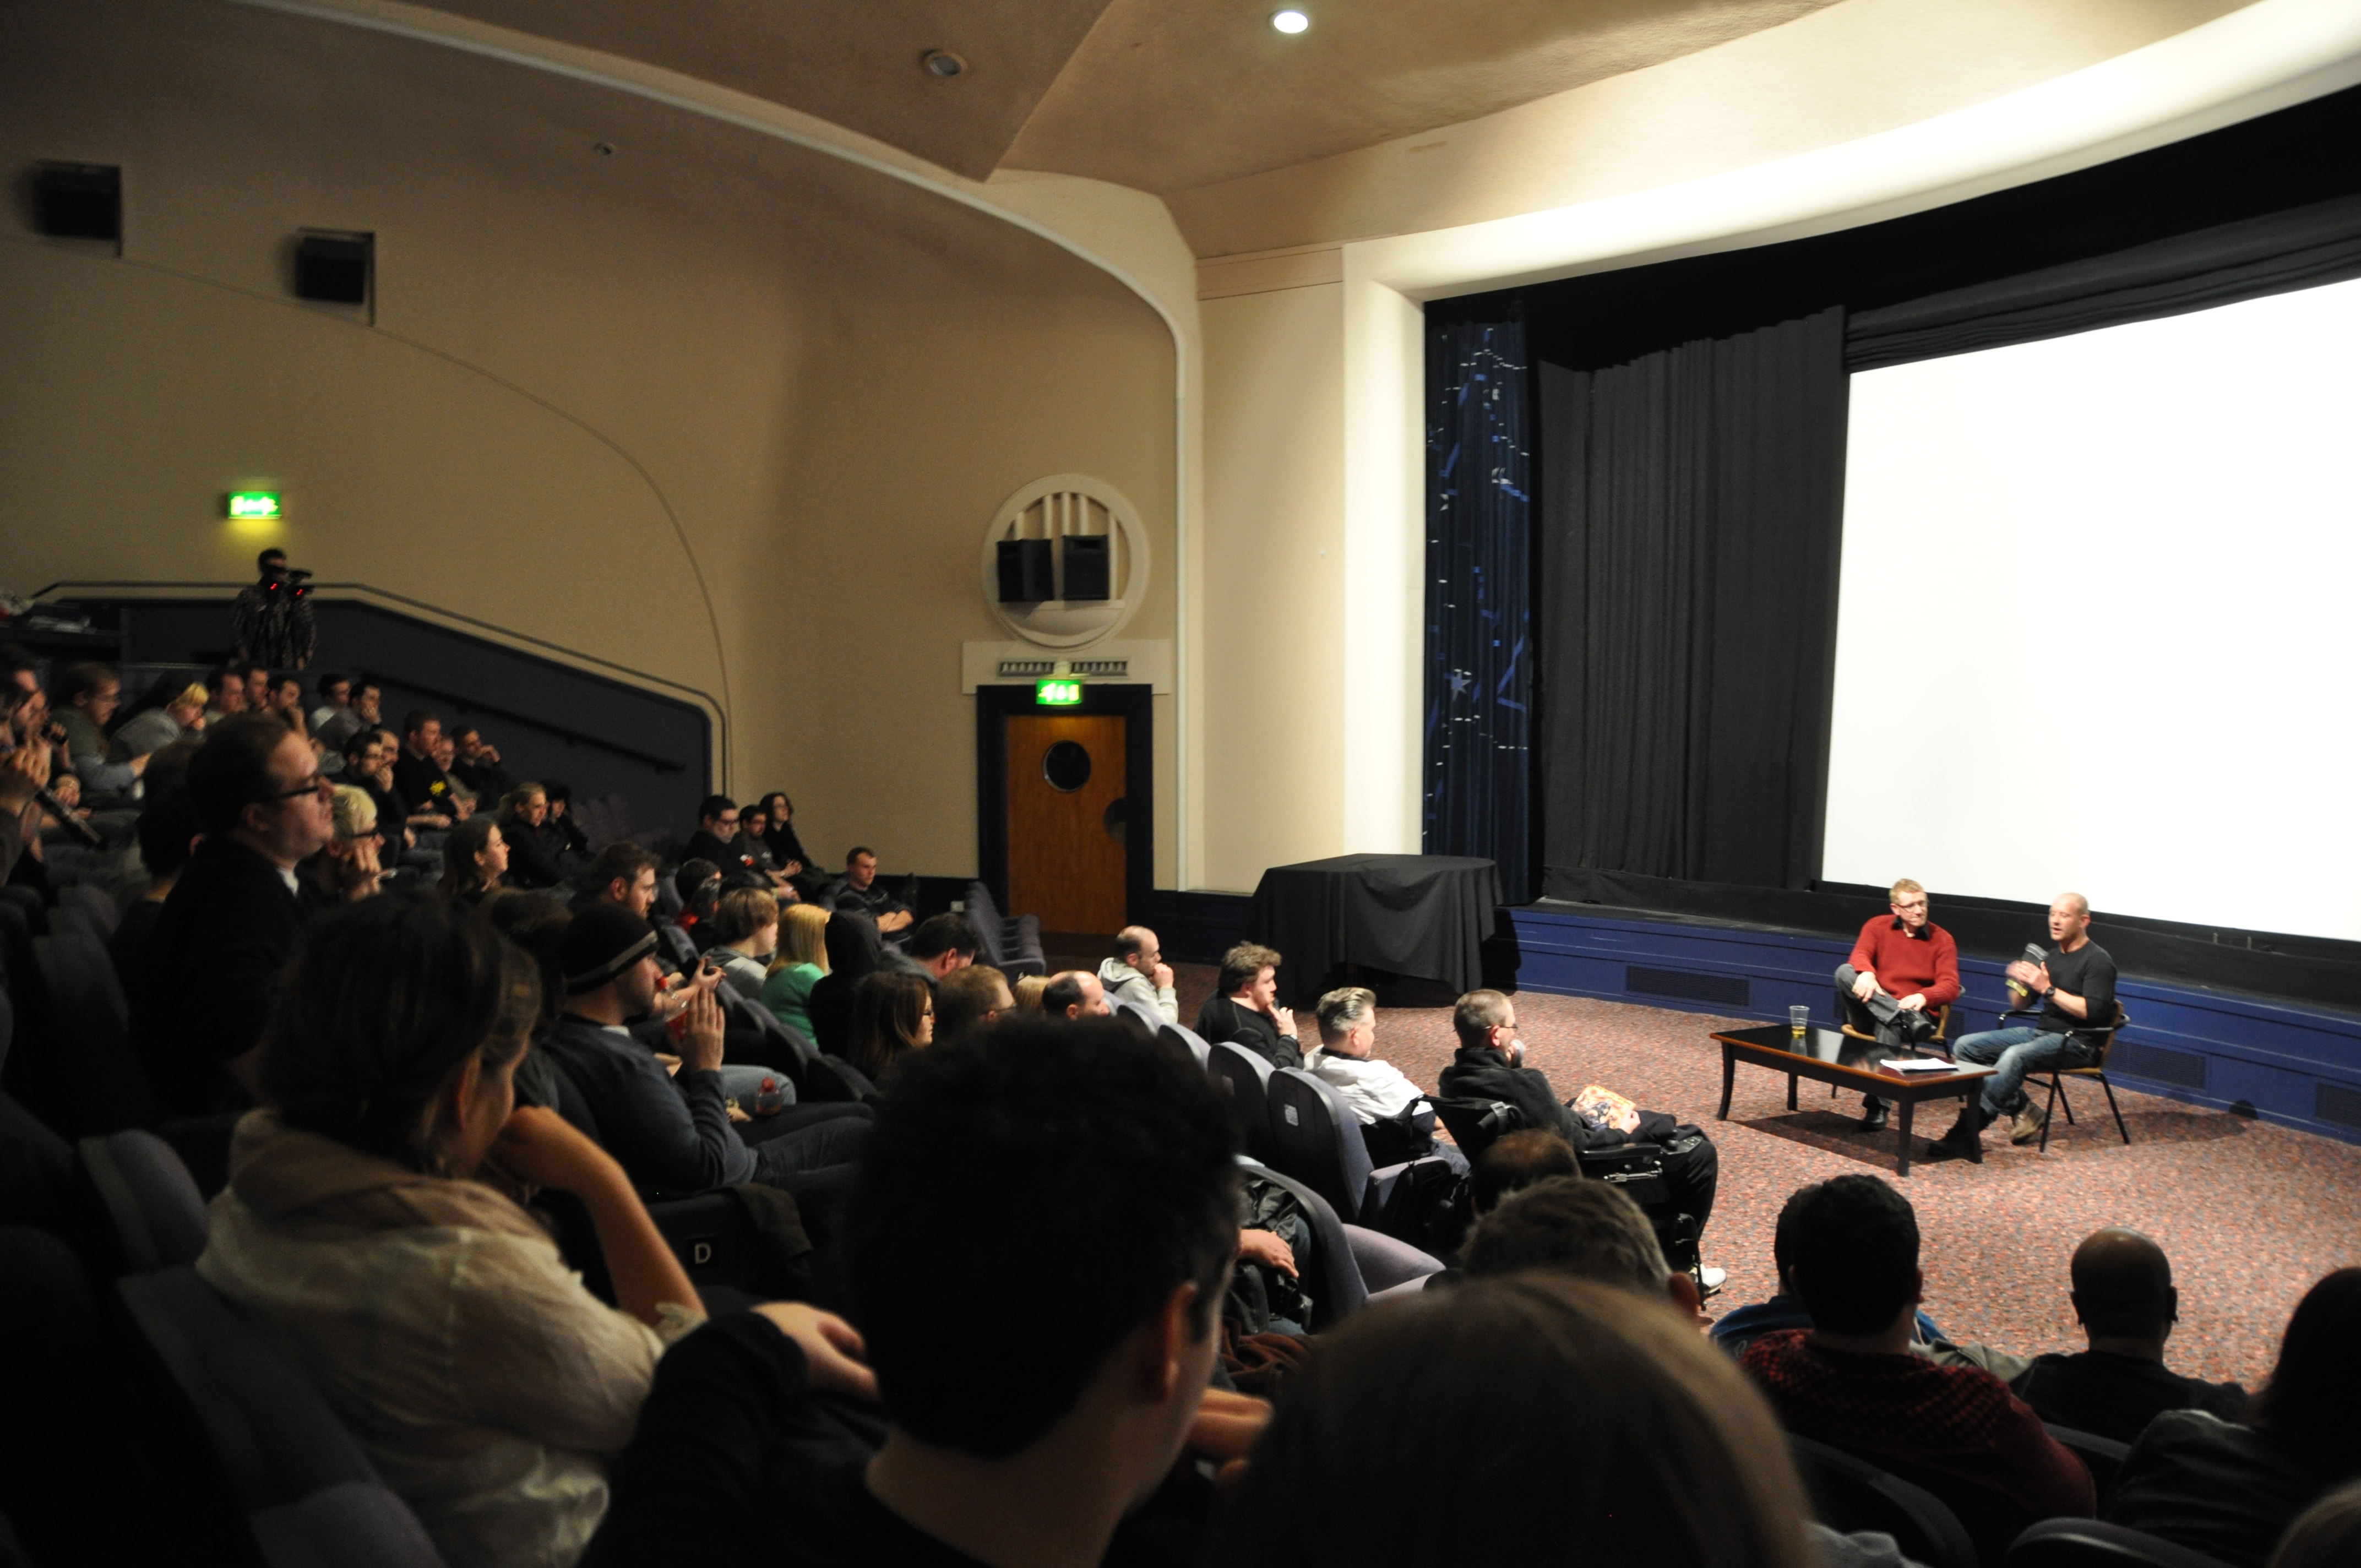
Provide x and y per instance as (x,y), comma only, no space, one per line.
(2012,1053)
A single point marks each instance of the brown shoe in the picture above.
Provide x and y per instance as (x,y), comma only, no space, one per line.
(2029,1125)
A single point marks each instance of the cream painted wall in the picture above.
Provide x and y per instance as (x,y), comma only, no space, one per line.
(600,390)
(1277,636)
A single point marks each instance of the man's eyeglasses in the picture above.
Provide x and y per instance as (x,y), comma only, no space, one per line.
(318,783)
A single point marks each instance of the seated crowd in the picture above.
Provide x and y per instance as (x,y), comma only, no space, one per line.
(1035,1296)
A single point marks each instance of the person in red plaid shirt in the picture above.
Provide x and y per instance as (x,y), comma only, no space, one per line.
(1851,1381)
(1902,966)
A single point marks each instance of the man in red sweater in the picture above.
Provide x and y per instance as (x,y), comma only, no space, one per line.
(1902,965)
(1852,1382)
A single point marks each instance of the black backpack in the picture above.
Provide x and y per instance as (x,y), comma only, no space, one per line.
(1431,1208)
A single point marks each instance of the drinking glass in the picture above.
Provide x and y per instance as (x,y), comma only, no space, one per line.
(1799,1018)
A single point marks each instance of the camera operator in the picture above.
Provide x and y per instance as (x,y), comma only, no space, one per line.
(271,621)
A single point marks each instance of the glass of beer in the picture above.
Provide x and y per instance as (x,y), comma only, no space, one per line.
(1799,1018)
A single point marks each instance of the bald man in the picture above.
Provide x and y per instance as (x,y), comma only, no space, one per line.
(2125,1298)
(1137,973)
(2076,984)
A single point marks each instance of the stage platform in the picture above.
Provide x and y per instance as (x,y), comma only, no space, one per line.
(2294,1063)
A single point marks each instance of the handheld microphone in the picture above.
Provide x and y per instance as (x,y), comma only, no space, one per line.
(2034,954)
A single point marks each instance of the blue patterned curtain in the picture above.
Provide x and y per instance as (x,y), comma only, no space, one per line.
(1478,642)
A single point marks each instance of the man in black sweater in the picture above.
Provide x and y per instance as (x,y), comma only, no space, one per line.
(986,1456)
(1244,1008)
(2124,1297)
(1490,1066)
(2076,984)
(228,929)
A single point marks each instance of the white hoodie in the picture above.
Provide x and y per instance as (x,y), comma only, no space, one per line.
(1125,983)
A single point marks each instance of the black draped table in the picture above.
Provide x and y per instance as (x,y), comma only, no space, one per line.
(1425,915)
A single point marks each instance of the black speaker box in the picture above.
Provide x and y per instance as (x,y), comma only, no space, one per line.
(1025,571)
(78,201)
(332,270)
(1086,566)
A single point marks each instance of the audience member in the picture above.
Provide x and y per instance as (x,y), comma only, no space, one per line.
(1851,1381)
(674,1132)
(270,621)
(1029,992)
(893,1015)
(286,700)
(854,954)
(797,966)
(333,721)
(624,873)
(990,1456)
(348,865)
(969,999)
(183,712)
(1397,1120)
(1587,1229)
(1515,1161)
(1074,993)
(230,922)
(752,823)
(746,935)
(1488,1064)
(257,686)
(1138,974)
(476,764)
(2233,1490)
(2125,1298)
(83,699)
(940,945)
(569,840)
(2076,986)
(859,894)
(367,700)
(168,832)
(1741,1326)
(2327,1536)
(523,811)
(167,768)
(697,884)
(716,839)
(1535,1419)
(779,834)
(488,1386)
(1244,1008)
(229,692)
(416,773)
(474,860)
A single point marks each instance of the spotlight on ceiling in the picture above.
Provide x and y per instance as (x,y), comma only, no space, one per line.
(1290,21)
(943,63)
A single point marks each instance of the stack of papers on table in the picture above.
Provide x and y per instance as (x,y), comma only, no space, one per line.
(1916,1064)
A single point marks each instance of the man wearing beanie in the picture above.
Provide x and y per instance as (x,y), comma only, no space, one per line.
(672,1133)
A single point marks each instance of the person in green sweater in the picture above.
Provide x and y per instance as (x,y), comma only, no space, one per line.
(797,966)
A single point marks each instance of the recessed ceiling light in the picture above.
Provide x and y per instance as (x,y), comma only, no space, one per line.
(1290,21)
(943,63)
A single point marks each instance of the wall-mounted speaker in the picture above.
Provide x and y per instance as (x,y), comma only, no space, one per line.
(333,269)
(1025,571)
(78,201)
(1087,562)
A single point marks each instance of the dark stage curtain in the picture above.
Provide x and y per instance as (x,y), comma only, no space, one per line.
(2298,250)
(1691,518)
(1478,610)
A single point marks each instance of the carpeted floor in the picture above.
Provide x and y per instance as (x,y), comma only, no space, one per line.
(2251,1214)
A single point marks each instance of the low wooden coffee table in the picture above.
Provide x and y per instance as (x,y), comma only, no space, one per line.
(1832,1056)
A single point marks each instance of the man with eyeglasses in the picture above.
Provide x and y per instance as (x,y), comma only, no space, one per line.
(1903,964)
(229,927)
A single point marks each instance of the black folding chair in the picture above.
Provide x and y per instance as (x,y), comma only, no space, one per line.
(2102,1456)
(2090,1544)
(1850,1493)
(1245,1079)
(152,1202)
(1316,1138)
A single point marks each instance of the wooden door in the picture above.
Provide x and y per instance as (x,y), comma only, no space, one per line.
(1066,821)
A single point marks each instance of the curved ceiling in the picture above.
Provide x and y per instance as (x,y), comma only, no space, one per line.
(1158,94)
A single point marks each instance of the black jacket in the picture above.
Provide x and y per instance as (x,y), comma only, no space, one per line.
(1225,1018)
(725,853)
(529,861)
(1480,1072)
(212,967)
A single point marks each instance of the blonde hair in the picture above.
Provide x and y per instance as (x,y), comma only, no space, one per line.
(803,937)
(194,695)
(1904,885)
(354,813)
(1027,990)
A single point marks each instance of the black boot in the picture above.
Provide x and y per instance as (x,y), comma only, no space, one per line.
(1966,1133)
(1872,1116)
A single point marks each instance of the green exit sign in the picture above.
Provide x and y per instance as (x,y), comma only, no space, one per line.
(1059,691)
(251,506)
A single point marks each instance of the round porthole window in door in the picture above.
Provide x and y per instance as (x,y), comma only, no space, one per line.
(1066,765)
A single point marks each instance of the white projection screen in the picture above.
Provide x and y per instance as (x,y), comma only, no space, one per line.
(2099,625)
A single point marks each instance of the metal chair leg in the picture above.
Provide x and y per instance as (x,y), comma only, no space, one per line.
(2056,1092)
(2112,1106)
(2059,1079)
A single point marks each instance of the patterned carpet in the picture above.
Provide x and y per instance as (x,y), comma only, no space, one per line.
(2251,1214)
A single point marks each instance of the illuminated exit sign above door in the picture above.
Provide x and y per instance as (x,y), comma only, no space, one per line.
(252,506)
(1059,691)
